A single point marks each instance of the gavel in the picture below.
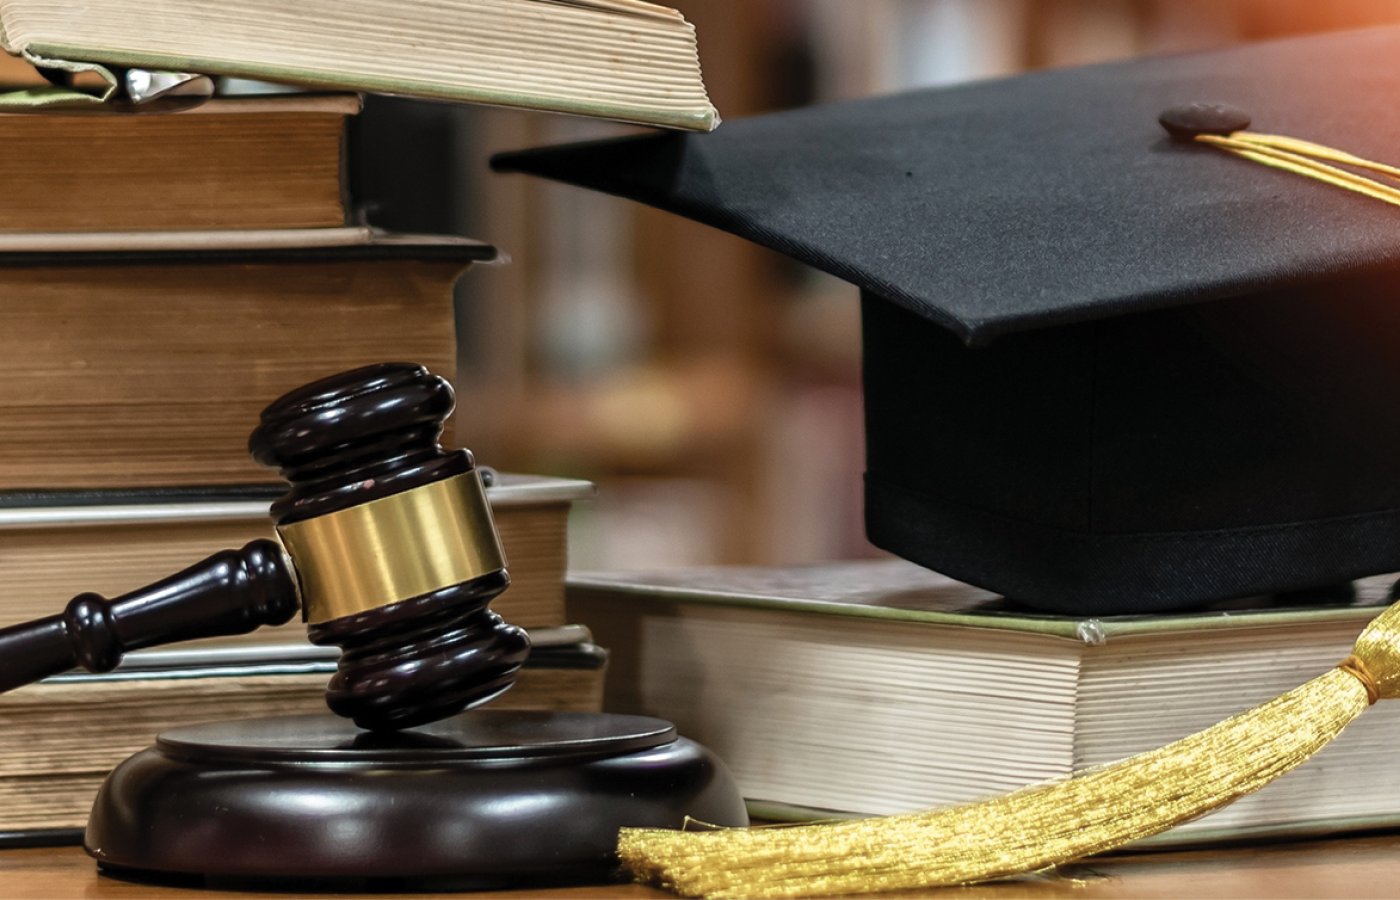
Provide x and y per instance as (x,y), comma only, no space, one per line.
(386,543)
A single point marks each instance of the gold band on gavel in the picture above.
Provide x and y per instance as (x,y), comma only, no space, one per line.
(394,548)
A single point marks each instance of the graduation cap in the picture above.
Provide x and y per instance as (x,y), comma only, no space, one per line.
(1107,369)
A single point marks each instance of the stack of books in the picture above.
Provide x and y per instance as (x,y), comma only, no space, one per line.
(163,277)
(148,315)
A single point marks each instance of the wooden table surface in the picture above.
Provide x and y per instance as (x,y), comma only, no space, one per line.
(1348,868)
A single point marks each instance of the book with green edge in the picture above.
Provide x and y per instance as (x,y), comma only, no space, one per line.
(879,687)
(619,59)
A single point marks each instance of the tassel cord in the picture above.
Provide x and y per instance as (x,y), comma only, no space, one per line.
(1306,159)
(1037,827)
(1317,151)
(1024,831)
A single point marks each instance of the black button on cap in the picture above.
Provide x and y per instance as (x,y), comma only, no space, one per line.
(1185,122)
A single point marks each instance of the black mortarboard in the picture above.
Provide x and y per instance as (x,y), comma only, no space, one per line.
(1106,371)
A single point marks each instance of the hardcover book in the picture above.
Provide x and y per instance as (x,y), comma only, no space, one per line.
(261,162)
(618,59)
(143,359)
(880,687)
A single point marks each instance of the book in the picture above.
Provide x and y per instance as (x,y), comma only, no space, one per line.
(618,59)
(60,737)
(59,544)
(16,73)
(879,687)
(144,359)
(239,163)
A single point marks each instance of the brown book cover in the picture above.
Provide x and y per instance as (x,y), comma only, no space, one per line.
(236,163)
(149,365)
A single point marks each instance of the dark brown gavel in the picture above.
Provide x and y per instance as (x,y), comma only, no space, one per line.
(389,545)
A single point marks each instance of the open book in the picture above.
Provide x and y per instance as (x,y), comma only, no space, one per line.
(617,59)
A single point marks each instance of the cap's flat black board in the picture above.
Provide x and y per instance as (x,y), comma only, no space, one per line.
(1043,199)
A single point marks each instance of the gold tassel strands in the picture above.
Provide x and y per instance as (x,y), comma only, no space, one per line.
(1224,127)
(1037,827)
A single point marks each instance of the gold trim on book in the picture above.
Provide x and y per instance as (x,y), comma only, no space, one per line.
(394,548)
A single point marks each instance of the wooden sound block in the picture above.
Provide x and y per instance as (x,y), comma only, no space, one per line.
(484,796)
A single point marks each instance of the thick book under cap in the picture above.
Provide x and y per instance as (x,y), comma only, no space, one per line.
(876,687)
(1106,371)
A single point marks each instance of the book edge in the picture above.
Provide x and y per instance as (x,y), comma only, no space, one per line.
(1084,630)
(515,491)
(563,647)
(186,239)
(101,246)
(696,118)
(334,104)
(777,811)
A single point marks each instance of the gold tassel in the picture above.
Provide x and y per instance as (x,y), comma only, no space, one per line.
(1037,827)
(1224,127)
(1311,161)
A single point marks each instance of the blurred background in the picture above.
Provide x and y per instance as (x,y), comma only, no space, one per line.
(711,388)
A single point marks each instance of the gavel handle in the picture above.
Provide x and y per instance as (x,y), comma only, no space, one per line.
(231,592)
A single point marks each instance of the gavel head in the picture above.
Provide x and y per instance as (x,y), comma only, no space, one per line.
(393,544)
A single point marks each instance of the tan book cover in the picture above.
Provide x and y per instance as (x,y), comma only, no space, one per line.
(618,59)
